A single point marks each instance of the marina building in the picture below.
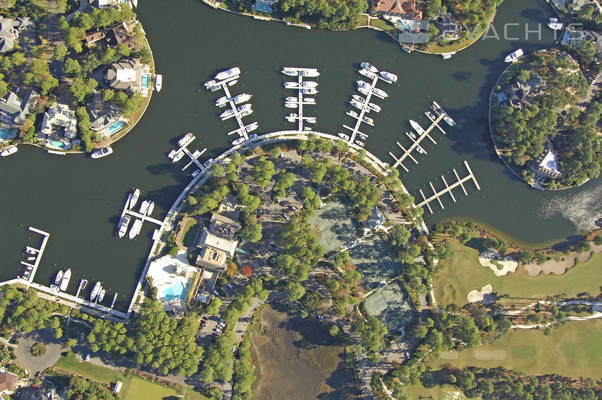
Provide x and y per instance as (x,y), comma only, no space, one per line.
(14,109)
(129,75)
(59,122)
(10,29)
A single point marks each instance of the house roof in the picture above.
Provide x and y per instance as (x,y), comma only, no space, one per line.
(408,8)
(208,239)
(16,107)
(125,75)
(8,381)
(9,31)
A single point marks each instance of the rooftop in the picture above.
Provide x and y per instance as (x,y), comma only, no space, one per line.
(208,239)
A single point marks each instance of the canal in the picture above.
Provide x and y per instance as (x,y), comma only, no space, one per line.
(78,200)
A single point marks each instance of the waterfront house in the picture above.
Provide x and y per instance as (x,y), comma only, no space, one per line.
(520,93)
(547,165)
(407,9)
(59,122)
(448,28)
(102,114)
(223,226)
(14,109)
(121,33)
(129,75)
(8,382)
(10,29)
(575,6)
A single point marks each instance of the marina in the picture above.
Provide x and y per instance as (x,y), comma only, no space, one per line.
(178,153)
(31,269)
(128,213)
(302,87)
(448,189)
(416,140)
(363,104)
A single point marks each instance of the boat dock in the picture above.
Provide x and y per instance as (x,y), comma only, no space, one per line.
(448,188)
(416,143)
(143,217)
(32,268)
(300,118)
(175,155)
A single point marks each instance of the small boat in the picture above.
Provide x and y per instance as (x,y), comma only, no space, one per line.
(363,91)
(362,136)
(251,127)
(291,117)
(210,84)
(307,129)
(420,150)
(311,120)
(134,198)
(353,114)
(65,280)
(291,85)
(186,139)
(172,154)
(95,291)
(252,136)
(232,83)
(158,82)
(411,135)
(101,295)
(244,107)
(234,71)
(144,207)
(290,71)
(151,207)
(30,250)
(58,278)
(367,74)
(291,99)
(439,110)
(369,67)
(101,152)
(380,93)
(8,151)
(238,141)
(358,98)
(555,24)
(123,225)
(344,136)
(215,88)
(246,113)
(368,120)
(135,230)
(309,100)
(417,127)
(227,114)
(178,157)
(309,84)
(364,84)
(359,143)
(449,120)
(241,98)
(512,57)
(309,72)
(222,101)
(359,106)
(309,91)
(291,105)
(431,115)
(31,258)
(388,77)
(374,107)
(207,163)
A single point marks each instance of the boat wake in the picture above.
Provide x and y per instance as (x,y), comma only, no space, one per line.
(583,209)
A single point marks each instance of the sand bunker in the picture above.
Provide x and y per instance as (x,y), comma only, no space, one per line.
(560,267)
(480,295)
(490,258)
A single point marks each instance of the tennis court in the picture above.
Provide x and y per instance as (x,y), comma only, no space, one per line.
(335,226)
(374,260)
(392,306)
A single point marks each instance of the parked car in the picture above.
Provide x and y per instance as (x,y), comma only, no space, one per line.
(215,292)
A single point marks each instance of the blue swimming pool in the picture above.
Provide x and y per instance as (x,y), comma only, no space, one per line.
(175,291)
(116,127)
(58,144)
(8,133)
(146,81)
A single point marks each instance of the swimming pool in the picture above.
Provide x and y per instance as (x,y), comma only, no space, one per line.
(116,127)
(176,291)
(146,81)
(8,133)
(59,144)
(264,8)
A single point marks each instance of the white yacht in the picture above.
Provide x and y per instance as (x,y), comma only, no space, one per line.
(311,120)
(222,101)
(344,136)
(232,83)
(363,91)
(362,136)
(291,85)
(251,127)
(388,77)
(291,99)
(309,84)
(227,114)
(512,57)
(417,127)
(58,278)
(134,198)
(374,107)
(186,139)
(367,74)
(158,82)
(309,91)
(227,74)
(368,120)
(246,113)
(172,154)
(244,107)
(364,84)
(135,230)
(8,151)
(555,24)
(353,114)
(241,98)
(357,105)
(207,163)
(101,295)
(309,100)
(101,152)
(210,84)
(151,207)
(123,225)
(292,117)
(420,150)
(65,280)
(95,291)
(359,143)
(238,141)
(144,207)
(411,135)
(290,71)
(291,105)
(309,72)
(358,98)
(178,157)
(369,67)
(380,93)
(431,115)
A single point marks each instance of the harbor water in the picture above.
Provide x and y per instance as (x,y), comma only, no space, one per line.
(78,200)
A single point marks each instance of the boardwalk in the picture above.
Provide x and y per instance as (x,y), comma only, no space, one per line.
(38,254)
(448,189)
(422,134)
(300,118)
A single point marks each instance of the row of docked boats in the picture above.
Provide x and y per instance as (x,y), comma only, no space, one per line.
(146,209)
(98,293)
(238,99)
(242,111)
(292,117)
(61,280)
(370,71)
(229,77)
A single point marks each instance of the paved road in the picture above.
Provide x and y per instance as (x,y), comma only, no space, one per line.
(54,348)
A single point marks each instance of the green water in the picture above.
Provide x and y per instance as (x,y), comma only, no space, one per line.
(78,199)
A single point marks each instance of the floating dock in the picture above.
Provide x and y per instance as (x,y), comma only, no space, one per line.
(194,157)
(448,189)
(143,217)
(38,253)
(416,143)
(300,118)
(242,132)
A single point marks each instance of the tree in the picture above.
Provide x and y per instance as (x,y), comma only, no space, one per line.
(400,235)
(213,306)
(60,52)
(262,171)
(252,230)
(294,291)
(247,271)
(334,330)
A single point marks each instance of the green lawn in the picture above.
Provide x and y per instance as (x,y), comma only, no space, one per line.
(189,232)
(100,374)
(418,391)
(574,349)
(463,273)
(141,389)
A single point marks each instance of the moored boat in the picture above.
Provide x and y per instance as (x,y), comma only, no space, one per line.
(512,57)
(291,105)
(309,91)
(135,229)
(222,101)
(243,108)
(359,143)
(232,83)
(309,84)
(431,115)
(8,151)
(251,127)
(252,136)
(363,84)
(238,141)
(411,135)
(290,71)
(420,150)
(343,136)
(227,114)
(374,107)
(227,73)
(388,77)
(309,72)
(101,295)
(449,120)
(95,291)
(65,280)
(367,74)
(291,85)
(186,139)
(291,99)
(555,24)
(357,105)
(59,276)
(241,98)
(210,84)
(123,225)
(363,91)
(134,198)
(362,136)
(358,98)
(353,114)
(101,152)
(369,67)
(144,207)
(158,82)
(309,100)
(368,120)
(151,207)
(379,93)
(417,127)
(178,157)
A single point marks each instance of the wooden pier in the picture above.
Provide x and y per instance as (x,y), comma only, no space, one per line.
(363,111)
(448,189)
(38,253)
(415,143)
(300,118)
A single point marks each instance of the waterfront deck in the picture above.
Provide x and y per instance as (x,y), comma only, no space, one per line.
(407,153)
(38,254)
(448,189)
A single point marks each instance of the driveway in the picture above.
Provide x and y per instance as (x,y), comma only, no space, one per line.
(54,348)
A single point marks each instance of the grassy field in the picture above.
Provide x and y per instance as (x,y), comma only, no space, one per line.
(574,349)
(141,389)
(99,374)
(463,273)
(189,232)
(418,391)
